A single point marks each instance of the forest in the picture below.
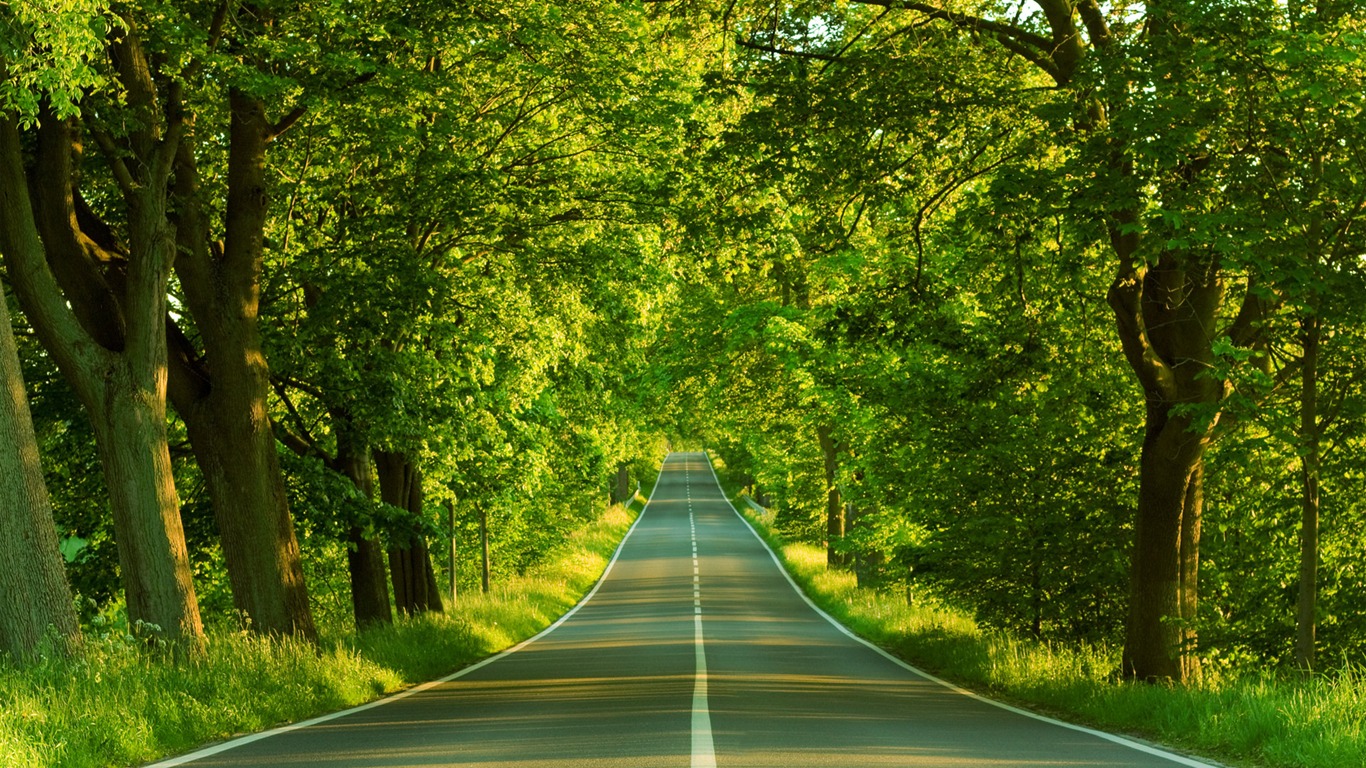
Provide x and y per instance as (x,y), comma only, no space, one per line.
(321,313)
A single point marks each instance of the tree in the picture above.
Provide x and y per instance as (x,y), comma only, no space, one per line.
(447,239)
(1308,182)
(1142,109)
(106,330)
(410,564)
(53,69)
(35,602)
(835,169)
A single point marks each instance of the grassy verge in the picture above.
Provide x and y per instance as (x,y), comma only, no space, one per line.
(121,705)
(1251,719)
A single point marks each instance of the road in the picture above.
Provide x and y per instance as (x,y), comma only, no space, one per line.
(694,650)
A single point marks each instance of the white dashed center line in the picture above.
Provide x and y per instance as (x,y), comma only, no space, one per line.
(703,750)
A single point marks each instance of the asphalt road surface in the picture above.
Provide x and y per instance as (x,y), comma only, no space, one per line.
(694,650)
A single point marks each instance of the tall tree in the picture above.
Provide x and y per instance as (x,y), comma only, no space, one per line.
(1146,110)
(102,316)
(220,376)
(1309,182)
(35,601)
(438,258)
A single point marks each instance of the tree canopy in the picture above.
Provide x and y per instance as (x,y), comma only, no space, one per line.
(1050,307)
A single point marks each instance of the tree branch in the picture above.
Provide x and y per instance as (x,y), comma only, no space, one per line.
(787,52)
(285,123)
(308,389)
(187,379)
(216,24)
(122,176)
(967,21)
(52,319)
(77,262)
(1094,19)
(298,445)
(1246,329)
(1125,297)
(1032,55)
(855,38)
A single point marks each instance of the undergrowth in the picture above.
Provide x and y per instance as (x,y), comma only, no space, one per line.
(121,704)
(1251,717)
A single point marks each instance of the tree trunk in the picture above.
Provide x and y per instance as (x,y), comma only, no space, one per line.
(223,399)
(365,565)
(1166,315)
(35,601)
(364,556)
(1305,624)
(868,564)
(234,446)
(130,434)
(410,562)
(123,389)
(242,476)
(434,602)
(1036,588)
(1160,636)
(621,494)
(834,507)
(414,580)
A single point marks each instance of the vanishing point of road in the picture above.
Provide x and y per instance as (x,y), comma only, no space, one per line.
(693,650)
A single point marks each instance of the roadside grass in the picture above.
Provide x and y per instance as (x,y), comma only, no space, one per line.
(1248,718)
(122,704)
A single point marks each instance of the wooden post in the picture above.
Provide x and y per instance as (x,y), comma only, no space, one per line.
(484,544)
(450,531)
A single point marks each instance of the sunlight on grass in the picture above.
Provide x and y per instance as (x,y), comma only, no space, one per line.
(123,705)
(1250,720)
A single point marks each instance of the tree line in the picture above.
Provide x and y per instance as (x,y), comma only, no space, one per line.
(1051,307)
(384,266)
(1054,306)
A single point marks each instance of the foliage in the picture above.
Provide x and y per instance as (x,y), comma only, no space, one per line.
(909,229)
(1255,716)
(48,50)
(880,251)
(123,704)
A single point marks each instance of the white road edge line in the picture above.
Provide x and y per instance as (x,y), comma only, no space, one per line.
(242,741)
(1175,758)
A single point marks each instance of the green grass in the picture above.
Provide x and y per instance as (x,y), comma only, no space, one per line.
(1254,718)
(122,705)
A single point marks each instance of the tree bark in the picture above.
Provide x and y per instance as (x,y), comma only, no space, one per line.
(223,398)
(123,389)
(1166,316)
(1160,630)
(35,600)
(369,594)
(410,562)
(454,555)
(246,488)
(834,507)
(868,564)
(1310,438)
(364,556)
(621,493)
